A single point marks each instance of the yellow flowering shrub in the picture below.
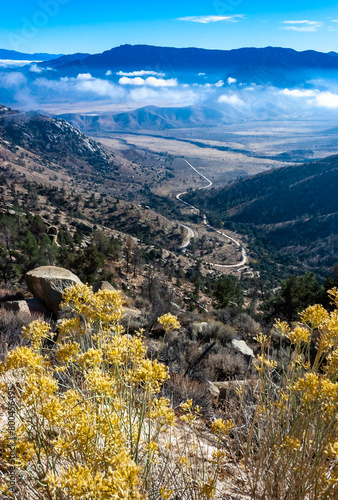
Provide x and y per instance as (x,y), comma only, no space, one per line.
(89,420)
(289,450)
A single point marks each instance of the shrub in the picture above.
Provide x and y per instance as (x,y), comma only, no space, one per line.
(91,423)
(226,365)
(213,331)
(288,444)
(10,329)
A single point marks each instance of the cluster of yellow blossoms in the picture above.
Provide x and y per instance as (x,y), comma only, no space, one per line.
(87,417)
(90,423)
(297,409)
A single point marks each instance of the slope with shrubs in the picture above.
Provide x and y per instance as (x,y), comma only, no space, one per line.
(291,213)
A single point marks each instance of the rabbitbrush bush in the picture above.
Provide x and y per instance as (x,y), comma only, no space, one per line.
(289,443)
(89,420)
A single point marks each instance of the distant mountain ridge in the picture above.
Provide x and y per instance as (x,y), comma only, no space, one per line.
(270,64)
(147,118)
(21,56)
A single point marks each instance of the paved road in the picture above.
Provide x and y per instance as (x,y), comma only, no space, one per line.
(191,233)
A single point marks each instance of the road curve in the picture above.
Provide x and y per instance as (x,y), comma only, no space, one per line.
(191,233)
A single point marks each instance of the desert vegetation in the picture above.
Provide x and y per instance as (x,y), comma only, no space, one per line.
(99,415)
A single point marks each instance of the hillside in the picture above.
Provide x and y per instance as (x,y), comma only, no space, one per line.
(148,118)
(292,211)
(52,138)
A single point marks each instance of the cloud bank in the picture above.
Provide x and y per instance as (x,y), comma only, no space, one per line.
(243,101)
(210,19)
(151,81)
(139,73)
(303,25)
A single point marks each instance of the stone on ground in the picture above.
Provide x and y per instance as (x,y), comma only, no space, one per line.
(48,283)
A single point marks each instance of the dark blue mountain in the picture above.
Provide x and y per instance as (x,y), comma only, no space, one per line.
(21,56)
(273,65)
(61,61)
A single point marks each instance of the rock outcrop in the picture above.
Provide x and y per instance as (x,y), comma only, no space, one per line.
(48,283)
(16,306)
(241,347)
(102,285)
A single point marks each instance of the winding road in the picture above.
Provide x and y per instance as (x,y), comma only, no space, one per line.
(191,233)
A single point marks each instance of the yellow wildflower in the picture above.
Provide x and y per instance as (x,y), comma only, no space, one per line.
(36,332)
(292,444)
(161,412)
(166,493)
(208,489)
(169,322)
(221,427)
(67,352)
(261,339)
(333,294)
(192,414)
(282,326)
(314,316)
(299,335)
(151,373)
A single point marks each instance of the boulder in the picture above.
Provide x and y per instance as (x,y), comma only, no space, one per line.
(134,313)
(102,285)
(17,306)
(241,347)
(48,283)
(231,385)
(213,389)
(36,306)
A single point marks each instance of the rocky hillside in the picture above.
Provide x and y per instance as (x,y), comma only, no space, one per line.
(55,139)
(293,212)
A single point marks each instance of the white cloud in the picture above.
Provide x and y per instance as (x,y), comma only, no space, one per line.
(304,25)
(9,63)
(327,100)
(84,76)
(139,73)
(232,99)
(210,19)
(109,72)
(84,84)
(298,93)
(324,99)
(151,81)
(145,96)
(14,79)
(231,80)
(201,74)
(220,83)
(132,81)
(35,69)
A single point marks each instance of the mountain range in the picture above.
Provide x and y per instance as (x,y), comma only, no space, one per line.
(275,65)
(21,56)
(151,118)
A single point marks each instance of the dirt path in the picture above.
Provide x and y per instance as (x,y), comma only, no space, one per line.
(191,233)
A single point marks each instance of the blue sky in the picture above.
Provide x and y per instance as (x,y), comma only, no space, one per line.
(66,26)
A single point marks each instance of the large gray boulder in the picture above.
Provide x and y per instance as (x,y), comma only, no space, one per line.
(48,283)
